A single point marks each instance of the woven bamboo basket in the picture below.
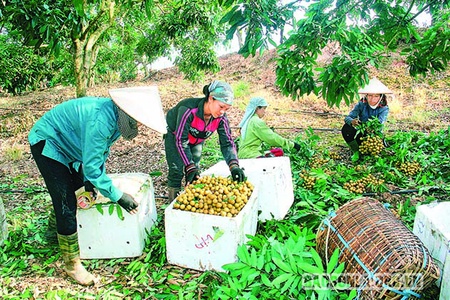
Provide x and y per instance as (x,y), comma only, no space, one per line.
(383,258)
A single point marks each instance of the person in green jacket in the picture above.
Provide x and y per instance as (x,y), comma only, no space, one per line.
(254,131)
(70,144)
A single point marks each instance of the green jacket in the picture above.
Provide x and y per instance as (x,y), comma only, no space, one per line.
(81,131)
(258,132)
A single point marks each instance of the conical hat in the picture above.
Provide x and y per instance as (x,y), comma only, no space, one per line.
(142,104)
(375,87)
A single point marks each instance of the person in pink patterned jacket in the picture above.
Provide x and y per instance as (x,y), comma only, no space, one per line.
(189,124)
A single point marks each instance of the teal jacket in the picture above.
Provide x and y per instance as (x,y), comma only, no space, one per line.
(81,131)
(256,133)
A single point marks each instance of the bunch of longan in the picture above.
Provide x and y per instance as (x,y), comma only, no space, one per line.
(360,168)
(335,155)
(308,180)
(409,168)
(317,162)
(355,186)
(372,145)
(362,185)
(215,196)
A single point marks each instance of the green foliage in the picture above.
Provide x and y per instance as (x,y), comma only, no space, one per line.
(192,28)
(117,40)
(428,153)
(372,127)
(111,42)
(286,267)
(364,32)
(22,69)
(241,90)
(261,20)
(431,52)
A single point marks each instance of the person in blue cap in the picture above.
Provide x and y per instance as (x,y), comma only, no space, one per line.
(70,144)
(189,124)
(255,132)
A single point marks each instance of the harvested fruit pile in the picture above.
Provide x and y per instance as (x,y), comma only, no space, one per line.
(308,180)
(215,196)
(317,162)
(372,145)
(362,185)
(409,168)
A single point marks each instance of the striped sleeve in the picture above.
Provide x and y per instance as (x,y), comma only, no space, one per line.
(184,120)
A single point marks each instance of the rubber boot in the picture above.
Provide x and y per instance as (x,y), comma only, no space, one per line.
(51,235)
(71,255)
(353,146)
(173,193)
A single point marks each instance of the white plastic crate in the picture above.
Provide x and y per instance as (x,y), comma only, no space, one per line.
(106,235)
(432,226)
(206,242)
(273,178)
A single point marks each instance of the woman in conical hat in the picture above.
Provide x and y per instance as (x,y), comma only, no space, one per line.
(70,144)
(373,104)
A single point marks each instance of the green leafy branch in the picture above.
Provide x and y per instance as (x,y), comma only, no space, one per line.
(285,269)
(372,127)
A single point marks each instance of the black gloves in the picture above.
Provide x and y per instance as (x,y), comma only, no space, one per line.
(89,187)
(236,173)
(192,173)
(296,146)
(127,202)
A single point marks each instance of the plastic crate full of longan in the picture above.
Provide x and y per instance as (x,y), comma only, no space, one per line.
(383,258)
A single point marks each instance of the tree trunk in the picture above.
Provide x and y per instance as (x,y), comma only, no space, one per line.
(3,228)
(85,44)
(80,72)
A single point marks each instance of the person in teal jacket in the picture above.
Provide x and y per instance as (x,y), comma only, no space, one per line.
(70,145)
(254,131)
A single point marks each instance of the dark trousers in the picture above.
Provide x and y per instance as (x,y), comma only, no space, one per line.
(349,134)
(174,162)
(61,182)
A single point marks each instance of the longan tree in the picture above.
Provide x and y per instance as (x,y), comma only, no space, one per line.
(84,27)
(364,32)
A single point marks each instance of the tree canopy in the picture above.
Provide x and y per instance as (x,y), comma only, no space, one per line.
(366,32)
(143,30)
(85,27)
